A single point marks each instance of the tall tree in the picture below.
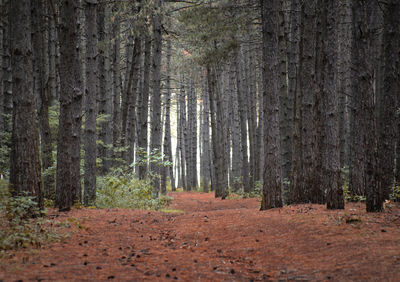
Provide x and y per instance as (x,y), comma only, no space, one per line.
(90,102)
(144,104)
(156,98)
(42,90)
(330,99)
(168,170)
(68,188)
(363,126)
(387,99)
(25,173)
(271,197)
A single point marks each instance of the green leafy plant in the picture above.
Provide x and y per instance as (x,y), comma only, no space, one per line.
(123,190)
(21,223)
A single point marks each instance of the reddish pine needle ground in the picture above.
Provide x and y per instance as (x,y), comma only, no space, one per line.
(216,240)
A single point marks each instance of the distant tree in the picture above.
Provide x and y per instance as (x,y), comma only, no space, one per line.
(25,175)
(68,188)
(271,197)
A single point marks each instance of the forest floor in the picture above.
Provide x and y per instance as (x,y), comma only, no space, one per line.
(200,238)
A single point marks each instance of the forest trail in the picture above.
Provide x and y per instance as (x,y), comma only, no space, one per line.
(203,239)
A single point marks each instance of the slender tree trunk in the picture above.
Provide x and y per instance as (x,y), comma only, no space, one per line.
(117,86)
(144,105)
(156,127)
(7,71)
(206,138)
(90,103)
(168,170)
(68,187)
(25,164)
(388,99)
(41,66)
(183,130)
(243,125)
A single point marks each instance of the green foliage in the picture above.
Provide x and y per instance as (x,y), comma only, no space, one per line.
(20,221)
(395,195)
(121,190)
(350,197)
(5,149)
(254,193)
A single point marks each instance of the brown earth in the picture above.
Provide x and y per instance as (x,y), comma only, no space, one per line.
(216,240)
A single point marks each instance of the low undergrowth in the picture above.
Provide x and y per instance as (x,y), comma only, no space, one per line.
(21,224)
(119,190)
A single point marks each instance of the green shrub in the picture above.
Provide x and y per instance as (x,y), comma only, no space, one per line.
(20,221)
(120,190)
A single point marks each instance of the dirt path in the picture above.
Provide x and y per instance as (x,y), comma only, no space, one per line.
(217,240)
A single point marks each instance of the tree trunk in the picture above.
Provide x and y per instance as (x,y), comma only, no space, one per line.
(25,165)
(90,103)
(68,187)
(41,66)
(362,89)
(242,103)
(144,105)
(168,170)
(330,98)
(205,132)
(271,197)
(386,125)
(117,86)
(156,127)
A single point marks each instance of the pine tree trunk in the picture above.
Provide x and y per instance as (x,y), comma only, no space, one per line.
(183,129)
(25,173)
(117,86)
(90,103)
(68,187)
(168,170)
(42,92)
(330,99)
(271,197)
(387,100)
(7,71)
(362,89)
(105,89)
(205,132)
(144,105)
(156,127)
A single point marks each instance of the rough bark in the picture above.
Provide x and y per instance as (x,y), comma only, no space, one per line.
(144,104)
(42,90)
(156,128)
(362,89)
(271,197)
(330,99)
(90,103)
(68,188)
(25,173)
(205,132)
(168,170)
(117,86)
(386,124)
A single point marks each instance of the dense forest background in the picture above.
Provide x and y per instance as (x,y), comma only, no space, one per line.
(297,100)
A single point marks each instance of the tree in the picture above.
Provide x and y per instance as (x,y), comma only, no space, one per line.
(156,128)
(387,100)
(330,99)
(68,188)
(25,175)
(363,126)
(271,197)
(90,102)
